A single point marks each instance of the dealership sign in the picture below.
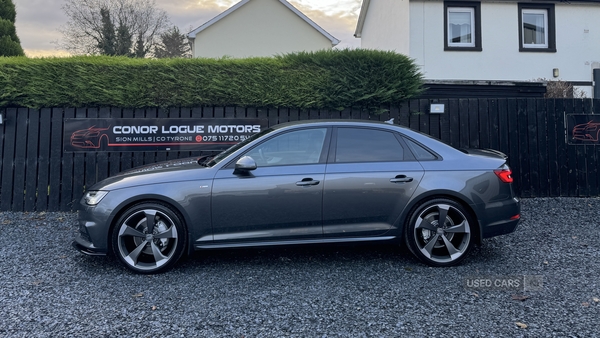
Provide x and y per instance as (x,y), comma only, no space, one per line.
(583,129)
(82,134)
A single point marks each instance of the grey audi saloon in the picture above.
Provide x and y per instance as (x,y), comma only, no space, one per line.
(306,182)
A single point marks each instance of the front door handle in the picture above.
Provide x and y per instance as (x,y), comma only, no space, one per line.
(307,182)
(401,179)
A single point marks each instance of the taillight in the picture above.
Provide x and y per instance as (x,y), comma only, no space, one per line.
(505,175)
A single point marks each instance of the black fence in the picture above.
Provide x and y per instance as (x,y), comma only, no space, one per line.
(36,175)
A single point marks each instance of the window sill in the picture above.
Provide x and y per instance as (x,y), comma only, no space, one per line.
(463,49)
(537,50)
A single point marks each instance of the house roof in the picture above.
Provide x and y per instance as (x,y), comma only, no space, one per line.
(361,18)
(192,34)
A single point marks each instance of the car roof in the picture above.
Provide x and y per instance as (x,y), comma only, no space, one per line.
(338,122)
(434,144)
(359,123)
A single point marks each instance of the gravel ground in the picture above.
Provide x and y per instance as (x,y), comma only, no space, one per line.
(50,290)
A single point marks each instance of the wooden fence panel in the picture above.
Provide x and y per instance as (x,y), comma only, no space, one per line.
(66,196)
(542,154)
(90,159)
(552,144)
(473,124)
(36,173)
(115,160)
(596,150)
(514,158)
(55,192)
(571,159)
(8,158)
(590,184)
(79,172)
(483,121)
(20,160)
(532,153)
(2,130)
(102,163)
(453,122)
(444,121)
(34,162)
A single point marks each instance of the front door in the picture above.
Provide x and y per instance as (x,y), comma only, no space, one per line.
(281,200)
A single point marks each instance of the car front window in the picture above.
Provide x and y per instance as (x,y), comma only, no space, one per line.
(291,148)
(222,155)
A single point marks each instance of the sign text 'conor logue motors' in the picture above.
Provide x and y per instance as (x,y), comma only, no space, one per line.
(82,134)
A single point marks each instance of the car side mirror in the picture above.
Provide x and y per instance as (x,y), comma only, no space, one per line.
(246,163)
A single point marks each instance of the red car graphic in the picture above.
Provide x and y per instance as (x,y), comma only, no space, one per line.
(587,131)
(89,138)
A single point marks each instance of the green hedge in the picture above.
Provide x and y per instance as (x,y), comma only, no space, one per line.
(327,79)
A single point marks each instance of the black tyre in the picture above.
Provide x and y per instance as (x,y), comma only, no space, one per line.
(439,232)
(149,238)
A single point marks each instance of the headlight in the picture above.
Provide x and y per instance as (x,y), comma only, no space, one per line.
(94,197)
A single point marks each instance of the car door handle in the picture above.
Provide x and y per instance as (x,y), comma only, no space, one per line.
(306,182)
(401,179)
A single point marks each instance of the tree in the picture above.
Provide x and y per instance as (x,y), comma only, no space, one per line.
(103,26)
(10,45)
(123,42)
(107,43)
(173,44)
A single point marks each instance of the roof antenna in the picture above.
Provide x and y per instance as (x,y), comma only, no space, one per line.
(390,121)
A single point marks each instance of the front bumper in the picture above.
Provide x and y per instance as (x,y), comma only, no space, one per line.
(93,230)
(86,248)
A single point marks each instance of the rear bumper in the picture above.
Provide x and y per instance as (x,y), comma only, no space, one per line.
(501,228)
(502,218)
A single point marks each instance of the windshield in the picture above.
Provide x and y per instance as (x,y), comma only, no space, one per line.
(221,156)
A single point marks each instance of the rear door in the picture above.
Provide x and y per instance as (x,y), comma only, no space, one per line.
(369,179)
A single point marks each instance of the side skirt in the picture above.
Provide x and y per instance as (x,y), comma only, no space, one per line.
(205,246)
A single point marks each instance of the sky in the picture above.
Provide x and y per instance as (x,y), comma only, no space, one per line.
(38,21)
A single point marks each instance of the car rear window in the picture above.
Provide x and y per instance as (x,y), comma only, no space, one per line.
(367,145)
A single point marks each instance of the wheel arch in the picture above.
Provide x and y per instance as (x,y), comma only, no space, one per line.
(149,198)
(447,194)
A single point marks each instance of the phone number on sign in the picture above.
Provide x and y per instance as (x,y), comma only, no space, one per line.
(221,138)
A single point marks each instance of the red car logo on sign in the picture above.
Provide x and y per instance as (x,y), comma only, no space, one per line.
(587,131)
(89,138)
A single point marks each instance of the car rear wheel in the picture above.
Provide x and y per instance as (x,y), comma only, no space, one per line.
(439,232)
(149,238)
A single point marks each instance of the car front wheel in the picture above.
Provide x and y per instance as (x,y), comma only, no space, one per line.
(439,232)
(149,238)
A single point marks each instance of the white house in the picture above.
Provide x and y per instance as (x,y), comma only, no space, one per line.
(259,28)
(497,40)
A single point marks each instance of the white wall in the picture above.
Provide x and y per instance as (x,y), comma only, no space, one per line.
(577,42)
(386,26)
(259,28)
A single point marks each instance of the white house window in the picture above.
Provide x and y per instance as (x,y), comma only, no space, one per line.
(535,28)
(537,32)
(462,26)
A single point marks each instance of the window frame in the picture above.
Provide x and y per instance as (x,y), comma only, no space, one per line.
(322,159)
(476,45)
(406,153)
(550,32)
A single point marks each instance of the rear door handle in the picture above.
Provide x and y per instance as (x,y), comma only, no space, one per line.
(307,182)
(401,179)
